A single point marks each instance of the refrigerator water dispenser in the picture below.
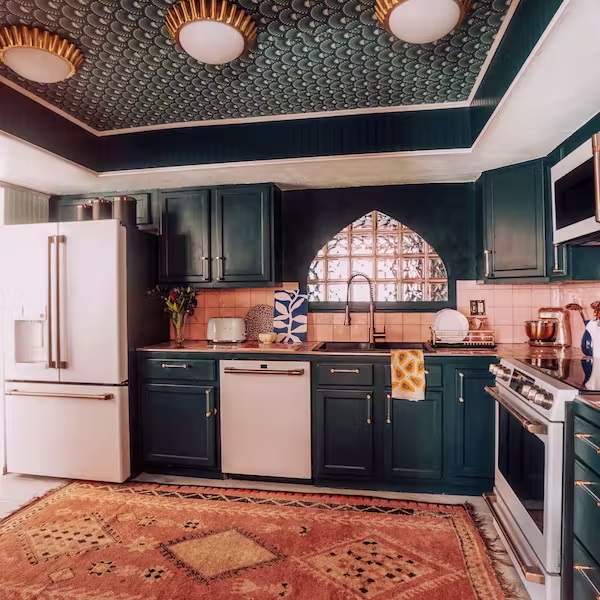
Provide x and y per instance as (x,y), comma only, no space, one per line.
(30,341)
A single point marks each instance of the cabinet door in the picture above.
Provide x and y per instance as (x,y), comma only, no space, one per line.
(413,437)
(514,232)
(176,430)
(344,433)
(242,234)
(469,423)
(185,237)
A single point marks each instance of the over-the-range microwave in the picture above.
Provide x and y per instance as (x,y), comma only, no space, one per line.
(576,195)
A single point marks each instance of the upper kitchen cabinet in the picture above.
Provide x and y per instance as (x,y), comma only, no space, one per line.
(220,237)
(185,237)
(514,222)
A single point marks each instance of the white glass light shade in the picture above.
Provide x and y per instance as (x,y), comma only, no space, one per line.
(424,21)
(37,65)
(211,42)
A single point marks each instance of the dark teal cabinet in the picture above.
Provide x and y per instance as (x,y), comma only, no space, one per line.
(179,425)
(242,234)
(221,237)
(469,422)
(185,237)
(514,230)
(344,431)
(413,437)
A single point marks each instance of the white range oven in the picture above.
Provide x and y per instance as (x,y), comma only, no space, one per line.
(527,503)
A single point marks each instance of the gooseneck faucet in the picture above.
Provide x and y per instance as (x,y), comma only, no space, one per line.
(371,319)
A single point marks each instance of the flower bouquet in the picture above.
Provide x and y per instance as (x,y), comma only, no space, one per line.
(178,302)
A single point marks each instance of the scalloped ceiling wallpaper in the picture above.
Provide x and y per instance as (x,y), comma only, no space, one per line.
(311,56)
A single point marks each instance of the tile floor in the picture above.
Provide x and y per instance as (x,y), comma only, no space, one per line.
(18,490)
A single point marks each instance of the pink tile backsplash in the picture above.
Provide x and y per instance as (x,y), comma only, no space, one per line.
(507,307)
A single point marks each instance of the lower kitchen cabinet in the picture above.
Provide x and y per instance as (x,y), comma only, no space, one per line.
(469,422)
(344,433)
(179,426)
(413,437)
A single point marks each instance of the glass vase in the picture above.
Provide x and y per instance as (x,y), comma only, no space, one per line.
(178,322)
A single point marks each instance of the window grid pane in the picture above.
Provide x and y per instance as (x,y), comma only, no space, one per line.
(402,265)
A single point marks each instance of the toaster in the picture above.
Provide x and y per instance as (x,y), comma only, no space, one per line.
(226,329)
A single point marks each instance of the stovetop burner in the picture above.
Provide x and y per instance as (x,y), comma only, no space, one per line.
(581,374)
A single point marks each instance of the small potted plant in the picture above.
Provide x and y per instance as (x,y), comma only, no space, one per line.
(178,302)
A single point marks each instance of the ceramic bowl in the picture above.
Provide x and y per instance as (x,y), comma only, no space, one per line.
(267,338)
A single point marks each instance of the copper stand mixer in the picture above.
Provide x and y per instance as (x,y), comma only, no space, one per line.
(552,329)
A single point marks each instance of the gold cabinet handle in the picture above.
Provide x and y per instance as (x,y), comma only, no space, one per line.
(220,267)
(531,426)
(369,400)
(208,407)
(586,439)
(488,272)
(356,371)
(584,486)
(205,268)
(557,269)
(583,571)
(290,372)
(389,409)
(60,364)
(461,387)
(174,366)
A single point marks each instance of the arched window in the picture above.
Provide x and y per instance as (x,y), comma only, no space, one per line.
(402,265)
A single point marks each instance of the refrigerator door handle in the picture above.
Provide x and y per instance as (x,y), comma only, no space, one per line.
(60,239)
(51,362)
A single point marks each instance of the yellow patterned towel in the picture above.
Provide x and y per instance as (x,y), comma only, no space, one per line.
(408,375)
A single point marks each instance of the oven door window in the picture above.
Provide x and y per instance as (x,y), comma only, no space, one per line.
(522,462)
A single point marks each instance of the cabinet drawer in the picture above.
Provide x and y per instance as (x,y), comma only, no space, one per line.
(432,379)
(179,368)
(586,509)
(345,374)
(587,444)
(586,575)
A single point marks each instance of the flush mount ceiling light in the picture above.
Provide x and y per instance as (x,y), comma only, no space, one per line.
(38,55)
(421,21)
(211,31)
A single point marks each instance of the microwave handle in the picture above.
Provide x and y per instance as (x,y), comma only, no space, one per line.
(596,154)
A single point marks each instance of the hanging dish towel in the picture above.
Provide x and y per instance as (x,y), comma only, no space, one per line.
(408,375)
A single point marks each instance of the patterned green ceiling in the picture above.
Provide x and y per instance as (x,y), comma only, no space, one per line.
(311,56)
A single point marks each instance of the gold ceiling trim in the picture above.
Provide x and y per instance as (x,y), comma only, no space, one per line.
(21,36)
(188,11)
(384,8)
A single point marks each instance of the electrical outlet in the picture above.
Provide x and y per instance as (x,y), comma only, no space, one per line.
(477,308)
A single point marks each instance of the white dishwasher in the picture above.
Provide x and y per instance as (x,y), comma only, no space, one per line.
(265,418)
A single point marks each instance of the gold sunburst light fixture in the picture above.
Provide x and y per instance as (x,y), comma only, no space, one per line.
(211,31)
(421,21)
(38,55)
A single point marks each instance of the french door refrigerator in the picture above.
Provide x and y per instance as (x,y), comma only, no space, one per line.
(65,342)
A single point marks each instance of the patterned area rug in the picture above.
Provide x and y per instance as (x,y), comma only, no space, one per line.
(145,542)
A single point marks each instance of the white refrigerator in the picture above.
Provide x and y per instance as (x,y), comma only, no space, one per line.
(64,315)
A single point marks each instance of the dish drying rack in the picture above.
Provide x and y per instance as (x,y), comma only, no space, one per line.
(477,338)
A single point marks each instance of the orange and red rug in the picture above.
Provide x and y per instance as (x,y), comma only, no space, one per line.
(146,542)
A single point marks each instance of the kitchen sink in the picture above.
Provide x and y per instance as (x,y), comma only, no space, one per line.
(341,347)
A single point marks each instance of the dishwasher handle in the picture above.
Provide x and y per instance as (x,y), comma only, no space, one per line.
(290,372)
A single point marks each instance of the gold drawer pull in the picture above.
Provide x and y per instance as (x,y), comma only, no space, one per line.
(583,571)
(57,395)
(369,409)
(585,438)
(356,371)
(584,486)
(174,366)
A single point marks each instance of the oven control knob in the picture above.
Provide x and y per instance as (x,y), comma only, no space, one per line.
(532,392)
(504,373)
(494,369)
(544,400)
(525,390)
